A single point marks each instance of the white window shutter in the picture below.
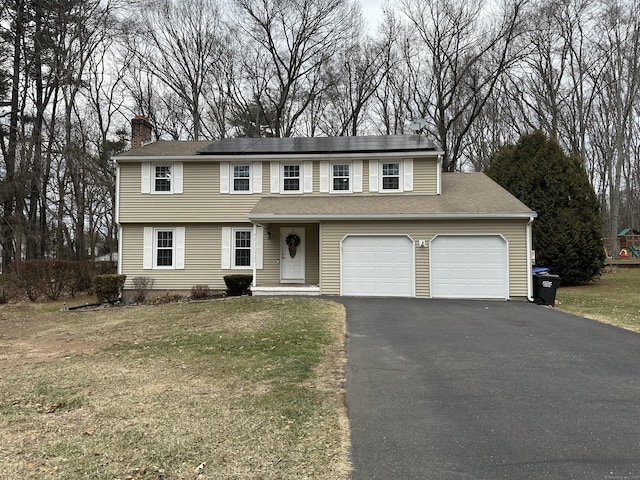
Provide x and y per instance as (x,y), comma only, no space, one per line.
(180,247)
(224,177)
(259,242)
(325,168)
(256,169)
(145,186)
(275,177)
(373,175)
(357,176)
(147,254)
(225,262)
(407,170)
(177,177)
(307,168)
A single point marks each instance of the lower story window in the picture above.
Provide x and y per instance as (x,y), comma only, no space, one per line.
(164,248)
(242,248)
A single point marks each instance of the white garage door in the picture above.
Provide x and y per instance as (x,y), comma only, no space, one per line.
(380,266)
(469,266)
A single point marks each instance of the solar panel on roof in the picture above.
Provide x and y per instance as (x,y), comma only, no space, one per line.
(380,143)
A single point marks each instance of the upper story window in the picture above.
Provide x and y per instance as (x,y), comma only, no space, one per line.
(340,177)
(291,178)
(391,176)
(241,178)
(161,177)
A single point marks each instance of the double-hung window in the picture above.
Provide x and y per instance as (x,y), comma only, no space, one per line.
(162,178)
(241,248)
(340,174)
(391,176)
(291,178)
(164,249)
(241,178)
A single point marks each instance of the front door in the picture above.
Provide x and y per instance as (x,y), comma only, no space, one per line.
(292,247)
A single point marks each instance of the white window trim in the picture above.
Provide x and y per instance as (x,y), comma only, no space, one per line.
(301,178)
(226,177)
(148,178)
(277,177)
(234,248)
(227,257)
(332,177)
(355,176)
(232,178)
(406,175)
(150,248)
(400,172)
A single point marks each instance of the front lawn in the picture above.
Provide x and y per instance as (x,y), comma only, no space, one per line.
(236,388)
(614,298)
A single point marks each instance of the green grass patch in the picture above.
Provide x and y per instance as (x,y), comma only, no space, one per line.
(236,388)
(613,298)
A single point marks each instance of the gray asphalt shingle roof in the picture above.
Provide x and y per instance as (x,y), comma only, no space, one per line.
(463,194)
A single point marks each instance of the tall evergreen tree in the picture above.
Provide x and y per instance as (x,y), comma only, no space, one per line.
(567,232)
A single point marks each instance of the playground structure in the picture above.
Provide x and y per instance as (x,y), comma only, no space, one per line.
(629,245)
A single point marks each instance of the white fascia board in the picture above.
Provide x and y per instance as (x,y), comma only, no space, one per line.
(276,217)
(279,157)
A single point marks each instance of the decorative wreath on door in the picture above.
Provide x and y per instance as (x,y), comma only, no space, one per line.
(292,242)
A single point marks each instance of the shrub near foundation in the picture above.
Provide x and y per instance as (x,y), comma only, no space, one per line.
(108,287)
(238,285)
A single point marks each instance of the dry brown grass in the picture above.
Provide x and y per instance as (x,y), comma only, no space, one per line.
(236,388)
(613,298)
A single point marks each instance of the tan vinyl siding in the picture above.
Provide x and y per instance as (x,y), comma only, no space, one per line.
(514,232)
(202,202)
(425,177)
(203,249)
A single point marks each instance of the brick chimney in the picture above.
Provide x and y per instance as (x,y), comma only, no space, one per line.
(140,131)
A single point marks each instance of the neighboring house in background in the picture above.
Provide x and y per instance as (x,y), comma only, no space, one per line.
(370,216)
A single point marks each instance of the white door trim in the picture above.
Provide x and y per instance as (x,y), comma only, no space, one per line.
(292,269)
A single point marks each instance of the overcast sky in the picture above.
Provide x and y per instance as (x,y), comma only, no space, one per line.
(372,10)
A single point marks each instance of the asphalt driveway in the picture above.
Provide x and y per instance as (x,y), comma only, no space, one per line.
(488,390)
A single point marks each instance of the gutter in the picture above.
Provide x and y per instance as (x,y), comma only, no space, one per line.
(310,217)
(277,157)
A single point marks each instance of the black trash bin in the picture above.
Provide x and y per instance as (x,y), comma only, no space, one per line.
(544,288)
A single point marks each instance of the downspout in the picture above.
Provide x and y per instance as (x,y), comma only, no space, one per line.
(529,260)
(117,218)
(439,176)
(253,255)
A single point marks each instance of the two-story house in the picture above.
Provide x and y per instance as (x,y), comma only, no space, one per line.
(368,216)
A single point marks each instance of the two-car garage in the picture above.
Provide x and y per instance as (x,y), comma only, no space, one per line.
(459,266)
